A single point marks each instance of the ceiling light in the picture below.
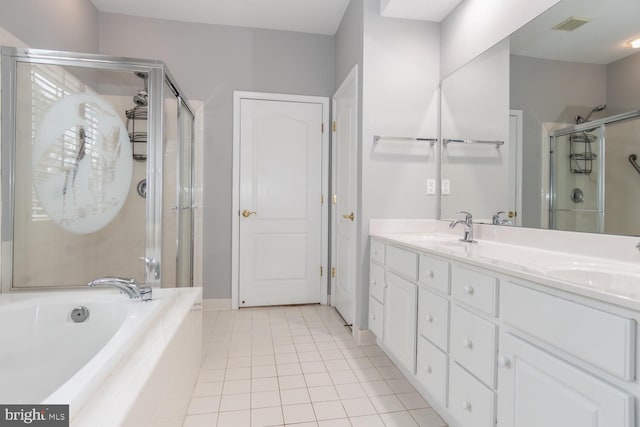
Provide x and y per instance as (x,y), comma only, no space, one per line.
(634,43)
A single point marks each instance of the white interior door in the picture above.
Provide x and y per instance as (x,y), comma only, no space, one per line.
(280,209)
(345,144)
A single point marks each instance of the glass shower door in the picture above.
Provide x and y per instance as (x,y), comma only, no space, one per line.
(577,181)
(184,274)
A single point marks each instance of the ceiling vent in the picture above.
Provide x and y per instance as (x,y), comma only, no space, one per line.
(570,24)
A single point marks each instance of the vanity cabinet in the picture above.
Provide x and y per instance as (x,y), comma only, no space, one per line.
(488,349)
(538,389)
(393,301)
(400,311)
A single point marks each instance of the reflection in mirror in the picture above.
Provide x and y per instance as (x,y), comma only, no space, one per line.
(582,72)
(476,153)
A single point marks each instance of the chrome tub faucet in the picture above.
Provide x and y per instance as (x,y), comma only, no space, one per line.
(468,226)
(128,286)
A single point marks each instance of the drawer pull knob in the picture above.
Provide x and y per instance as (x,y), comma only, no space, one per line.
(504,361)
(428,369)
(467,343)
(466,405)
(468,289)
(429,318)
(373,283)
(430,273)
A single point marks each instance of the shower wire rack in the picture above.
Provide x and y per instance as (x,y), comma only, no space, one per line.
(137,137)
(581,155)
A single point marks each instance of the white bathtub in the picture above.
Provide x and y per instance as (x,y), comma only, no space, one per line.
(115,369)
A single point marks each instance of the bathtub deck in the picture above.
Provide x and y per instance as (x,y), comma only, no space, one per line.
(297,366)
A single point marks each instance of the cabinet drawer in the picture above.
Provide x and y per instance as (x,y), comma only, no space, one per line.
(402,261)
(602,339)
(477,290)
(470,402)
(376,282)
(376,312)
(473,344)
(433,318)
(434,273)
(432,370)
(377,251)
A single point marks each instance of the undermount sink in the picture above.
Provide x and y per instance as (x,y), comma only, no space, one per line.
(603,278)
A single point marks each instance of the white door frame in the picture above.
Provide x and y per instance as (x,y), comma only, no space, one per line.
(351,78)
(516,158)
(235,204)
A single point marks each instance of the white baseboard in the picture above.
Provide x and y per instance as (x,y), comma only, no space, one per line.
(364,336)
(216,304)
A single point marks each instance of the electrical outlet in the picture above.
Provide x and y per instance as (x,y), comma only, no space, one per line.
(431,186)
(446,186)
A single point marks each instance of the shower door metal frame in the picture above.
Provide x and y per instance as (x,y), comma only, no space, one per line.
(584,127)
(158,73)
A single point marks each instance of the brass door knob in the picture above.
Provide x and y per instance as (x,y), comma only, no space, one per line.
(247,214)
(351,216)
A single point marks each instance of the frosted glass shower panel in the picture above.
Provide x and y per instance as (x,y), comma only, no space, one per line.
(77,215)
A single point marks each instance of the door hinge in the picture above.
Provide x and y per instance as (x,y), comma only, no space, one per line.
(321,271)
(333,272)
(335,199)
(322,199)
(323,128)
(334,126)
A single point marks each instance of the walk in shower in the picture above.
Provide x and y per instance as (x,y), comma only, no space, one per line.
(97,176)
(595,175)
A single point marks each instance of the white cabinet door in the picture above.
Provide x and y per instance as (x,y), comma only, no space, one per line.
(400,320)
(537,389)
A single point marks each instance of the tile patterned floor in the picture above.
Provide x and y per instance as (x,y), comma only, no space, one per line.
(298,366)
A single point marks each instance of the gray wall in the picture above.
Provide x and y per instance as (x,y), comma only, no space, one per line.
(623,87)
(549,91)
(209,62)
(52,24)
(400,98)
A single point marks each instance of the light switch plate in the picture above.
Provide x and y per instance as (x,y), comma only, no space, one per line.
(431,186)
(446,186)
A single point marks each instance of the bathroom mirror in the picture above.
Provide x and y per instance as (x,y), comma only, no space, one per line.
(584,71)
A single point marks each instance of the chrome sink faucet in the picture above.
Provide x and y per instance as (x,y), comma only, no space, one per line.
(128,286)
(496,220)
(468,226)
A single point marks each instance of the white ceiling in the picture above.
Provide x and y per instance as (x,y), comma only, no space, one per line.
(600,41)
(309,16)
(424,10)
